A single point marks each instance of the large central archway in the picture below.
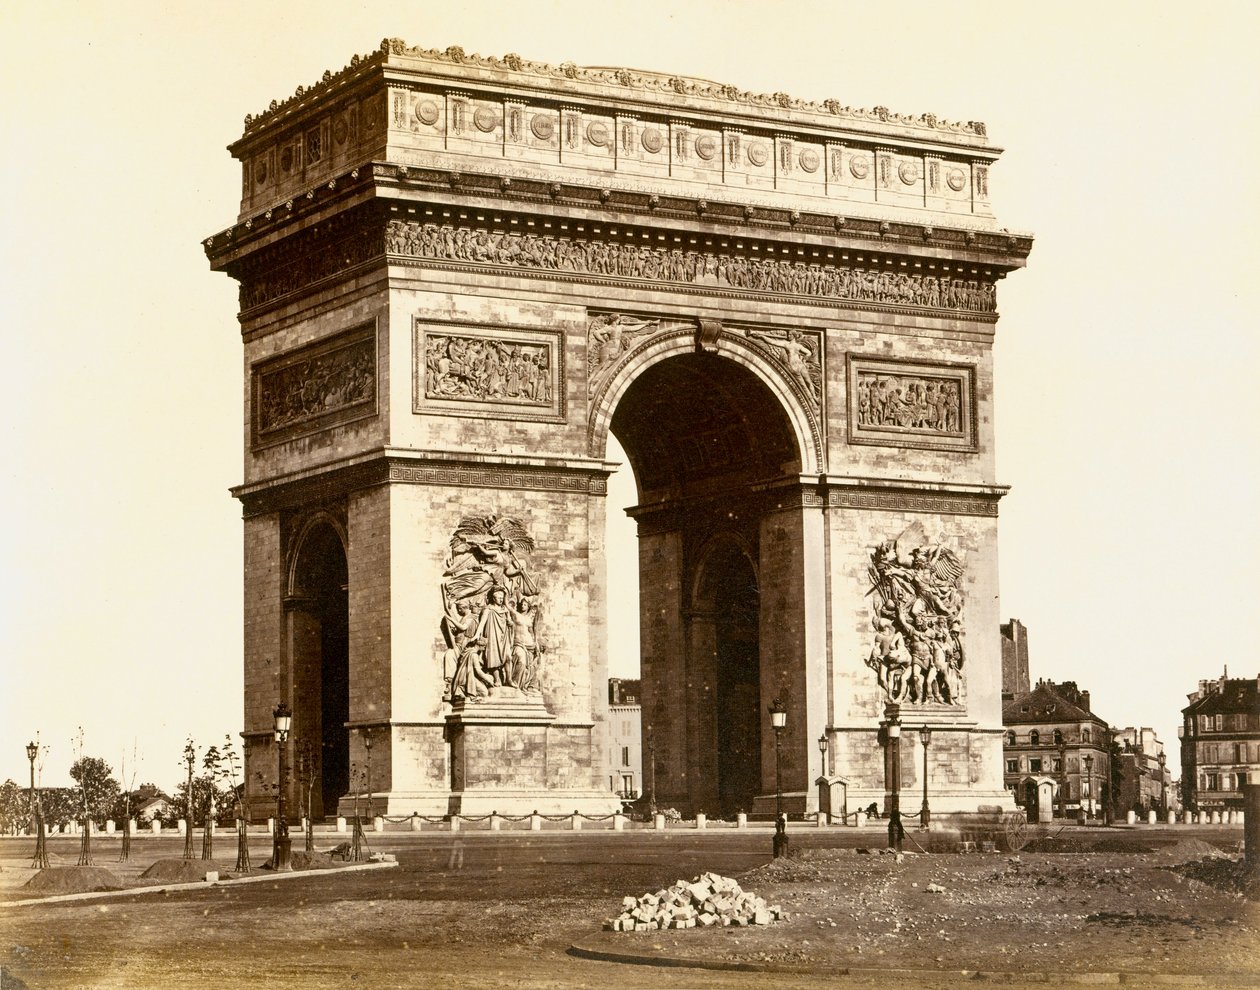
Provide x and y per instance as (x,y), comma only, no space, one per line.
(708,440)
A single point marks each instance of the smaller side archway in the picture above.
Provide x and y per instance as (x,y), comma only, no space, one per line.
(318,648)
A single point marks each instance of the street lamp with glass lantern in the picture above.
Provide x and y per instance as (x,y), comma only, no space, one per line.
(925,813)
(892,728)
(281,844)
(778,719)
(40,861)
(32,751)
(822,761)
(1089,783)
(1163,788)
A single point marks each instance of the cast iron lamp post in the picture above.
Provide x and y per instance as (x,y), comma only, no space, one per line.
(1163,790)
(822,759)
(892,726)
(40,862)
(32,751)
(1062,779)
(925,813)
(281,844)
(778,719)
(1089,783)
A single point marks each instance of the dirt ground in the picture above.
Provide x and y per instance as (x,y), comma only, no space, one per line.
(495,911)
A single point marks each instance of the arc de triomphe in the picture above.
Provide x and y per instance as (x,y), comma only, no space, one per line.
(457,276)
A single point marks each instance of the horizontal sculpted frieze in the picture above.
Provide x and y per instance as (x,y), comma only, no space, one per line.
(315,387)
(445,242)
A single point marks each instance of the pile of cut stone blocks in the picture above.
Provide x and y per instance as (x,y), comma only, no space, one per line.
(708,900)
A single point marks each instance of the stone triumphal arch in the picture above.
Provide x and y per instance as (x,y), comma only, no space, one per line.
(458,276)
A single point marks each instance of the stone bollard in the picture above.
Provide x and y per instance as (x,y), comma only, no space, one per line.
(702,820)
(1151,817)
(182,826)
(378,823)
(859,819)
(820,818)
(109,826)
(1172,817)
(415,823)
(619,822)
(658,822)
(575,822)
(535,822)
(1130,817)
(454,823)
(303,825)
(1188,816)
(155,827)
(741,820)
(131,825)
(495,821)
(1216,818)
(341,824)
(271,826)
(1251,828)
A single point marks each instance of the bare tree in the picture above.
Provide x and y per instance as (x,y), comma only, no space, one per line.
(229,769)
(129,784)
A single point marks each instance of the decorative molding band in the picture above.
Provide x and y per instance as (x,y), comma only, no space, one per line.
(338,481)
(902,500)
(618,256)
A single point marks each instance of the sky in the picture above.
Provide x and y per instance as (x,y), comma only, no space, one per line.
(1126,360)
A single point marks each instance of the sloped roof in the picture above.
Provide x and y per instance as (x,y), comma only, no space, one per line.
(1044,704)
(1238,695)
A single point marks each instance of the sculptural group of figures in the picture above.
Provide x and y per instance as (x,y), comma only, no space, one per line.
(642,261)
(909,402)
(490,602)
(917,653)
(322,384)
(484,368)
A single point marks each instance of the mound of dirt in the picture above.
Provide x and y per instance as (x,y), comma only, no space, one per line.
(312,861)
(183,870)
(1223,873)
(1188,850)
(73,880)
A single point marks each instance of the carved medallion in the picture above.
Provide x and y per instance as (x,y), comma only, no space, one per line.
(341,130)
(286,159)
(908,172)
(543,127)
(490,600)
(859,166)
(810,160)
(758,153)
(917,650)
(706,147)
(597,134)
(260,172)
(427,112)
(652,140)
(485,119)
(956,179)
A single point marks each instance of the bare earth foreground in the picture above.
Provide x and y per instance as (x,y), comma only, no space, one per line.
(483,910)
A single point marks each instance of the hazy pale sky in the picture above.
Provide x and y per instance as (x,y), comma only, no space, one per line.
(1126,354)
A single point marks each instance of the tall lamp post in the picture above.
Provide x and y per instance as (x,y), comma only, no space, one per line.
(822,772)
(778,719)
(1163,788)
(1089,783)
(651,772)
(1062,779)
(281,844)
(40,862)
(925,813)
(892,726)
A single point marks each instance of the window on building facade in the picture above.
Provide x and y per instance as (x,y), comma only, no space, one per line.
(1034,765)
(1058,765)
(1220,722)
(1058,737)
(1034,738)
(1010,739)
(625,756)
(1012,766)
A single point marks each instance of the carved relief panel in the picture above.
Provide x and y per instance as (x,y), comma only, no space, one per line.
(909,404)
(488,371)
(314,388)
